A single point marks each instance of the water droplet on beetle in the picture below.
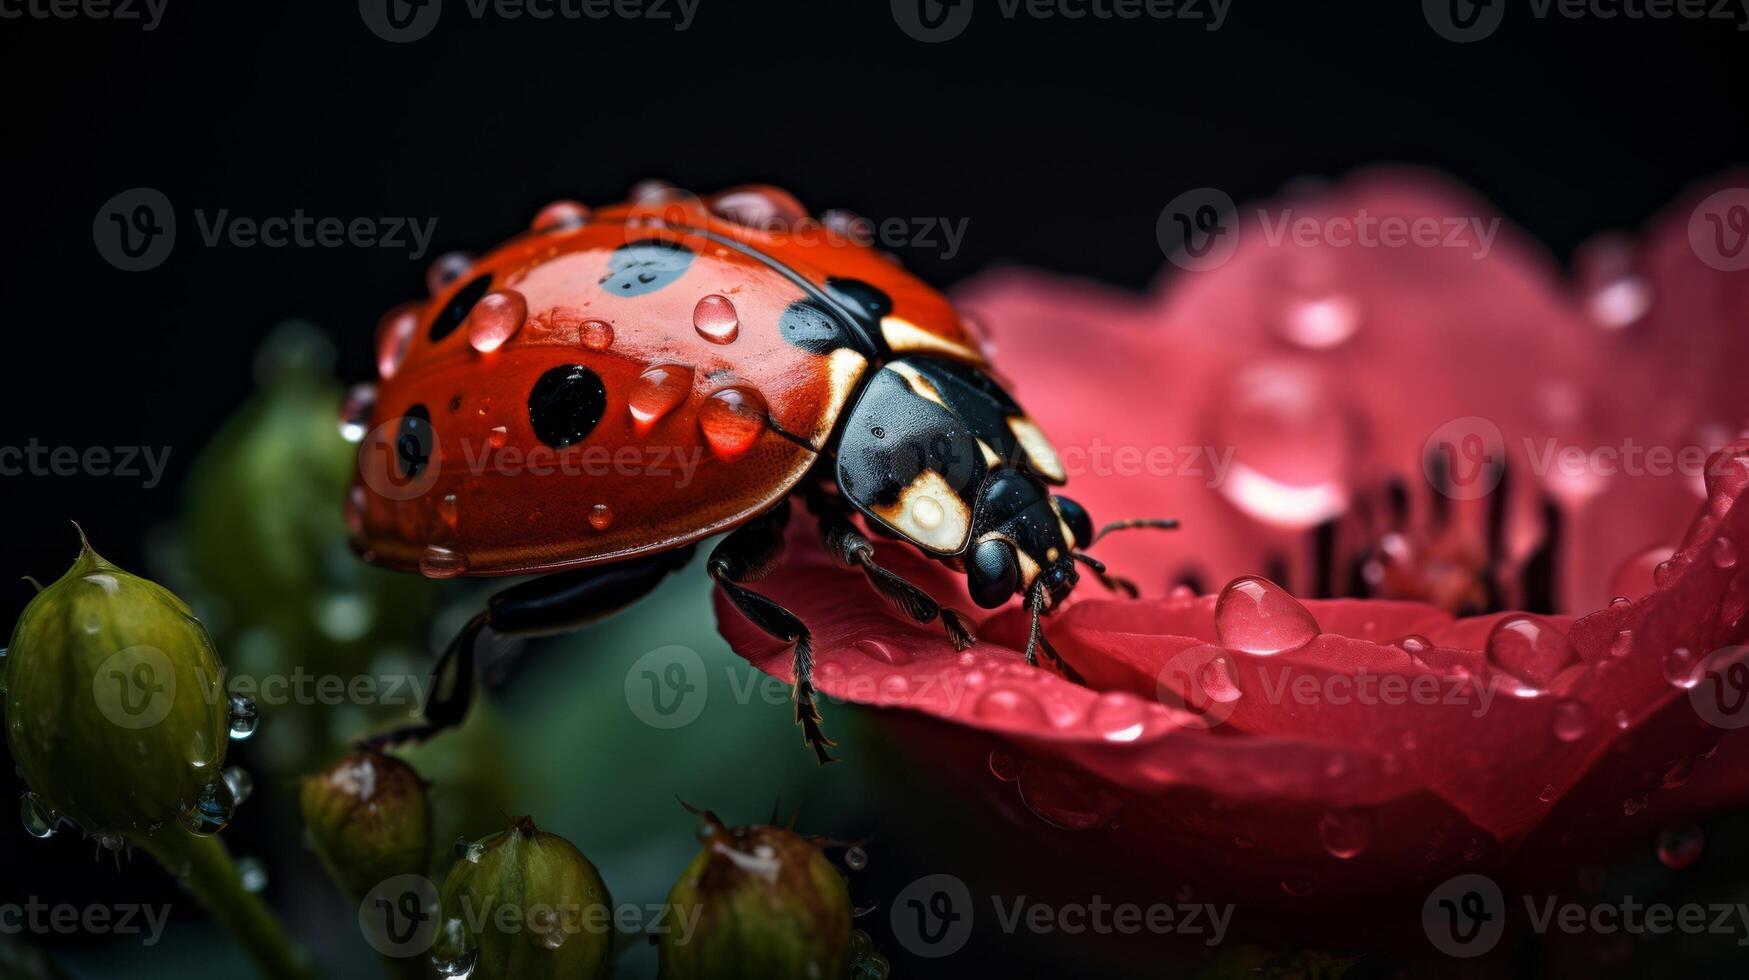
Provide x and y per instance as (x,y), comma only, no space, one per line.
(657,392)
(1572,719)
(1254,615)
(449,510)
(558,215)
(240,782)
(715,319)
(1345,833)
(355,412)
(600,517)
(498,437)
(495,319)
(732,420)
(595,334)
(394,334)
(1679,846)
(243,718)
(446,269)
(39,820)
(439,562)
(212,812)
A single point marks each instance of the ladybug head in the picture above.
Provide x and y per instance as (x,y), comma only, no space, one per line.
(1020,543)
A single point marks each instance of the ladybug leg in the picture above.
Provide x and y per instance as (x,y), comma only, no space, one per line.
(556,603)
(746,555)
(844,542)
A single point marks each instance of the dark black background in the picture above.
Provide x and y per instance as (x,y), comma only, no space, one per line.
(1059,142)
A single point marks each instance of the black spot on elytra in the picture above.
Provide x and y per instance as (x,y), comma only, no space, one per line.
(644,267)
(813,328)
(566,404)
(865,302)
(414,442)
(456,311)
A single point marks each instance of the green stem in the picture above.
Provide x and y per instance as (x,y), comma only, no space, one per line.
(203,865)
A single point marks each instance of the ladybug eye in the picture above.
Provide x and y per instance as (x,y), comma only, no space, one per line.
(992,573)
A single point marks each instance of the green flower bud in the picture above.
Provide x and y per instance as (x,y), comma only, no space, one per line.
(368,819)
(767,904)
(114,709)
(528,905)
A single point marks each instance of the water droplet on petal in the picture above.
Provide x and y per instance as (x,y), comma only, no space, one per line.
(600,517)
(1004,765)
(1680,846)
(446,269)
(1345,833)
(1529,649)
(657,392)
(1620,302)
(1620,602)
(240,782)
(1724,553)
(855,858)
(440,562)
(1682,668)
(252,874)
(595,334)
(1623,644)
(715,319)
(1254,615)
(1637,576)
(394,333)
(1321,323)
(1623,720)
(1117,716)
(495,319)
(559,214)
(1010,706)
(1548,794)
(1063,800)
(212,812)
(732,420)
(1297,446)
(243,717)
(39,821)
(1415,645)
(1571,720)
(355,412)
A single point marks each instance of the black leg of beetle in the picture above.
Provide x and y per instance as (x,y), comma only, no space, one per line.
(745,556)
(554,603)
(844,542)
(1071,673)
(1113,583)
(1157,523)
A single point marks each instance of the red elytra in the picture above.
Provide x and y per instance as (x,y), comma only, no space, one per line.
(677,450)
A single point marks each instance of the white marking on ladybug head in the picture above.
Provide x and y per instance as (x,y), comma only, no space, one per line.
(903,335)
(929,513)
(843,368)
(1038,449)
(921,386)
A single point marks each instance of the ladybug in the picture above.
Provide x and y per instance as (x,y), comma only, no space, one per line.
(593,397)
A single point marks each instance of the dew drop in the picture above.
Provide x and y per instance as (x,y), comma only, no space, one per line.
(39,821)
(495,319)
(657,392)
(1571,720)
(1321,323)
(243,718)
(439,562)
(242,785)
(394,334)
(601,517)
(457,966)
(559,214)
(1530,650)
(1682,668)
(1117,716)
(1063,800)
(1009,706)
(1637,575)
(1620,602)
(1415,645)
(212,812)
(467,850)
(1216,681)
(446,269)
(1679,846)
(355,412)
(1254,615)
(1623,644)
(1004,765)
(1678,775)
(1724,553)
(715,319)
(449,510)
(1623,720)
(1345,833)
(1294,469)
(595,334)
(732,420)
(498,437)
(874,966)
(855,858)
(1548,794)
(252,875)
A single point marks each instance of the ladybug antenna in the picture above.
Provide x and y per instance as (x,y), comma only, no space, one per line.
(1114,583)
(1157,523)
